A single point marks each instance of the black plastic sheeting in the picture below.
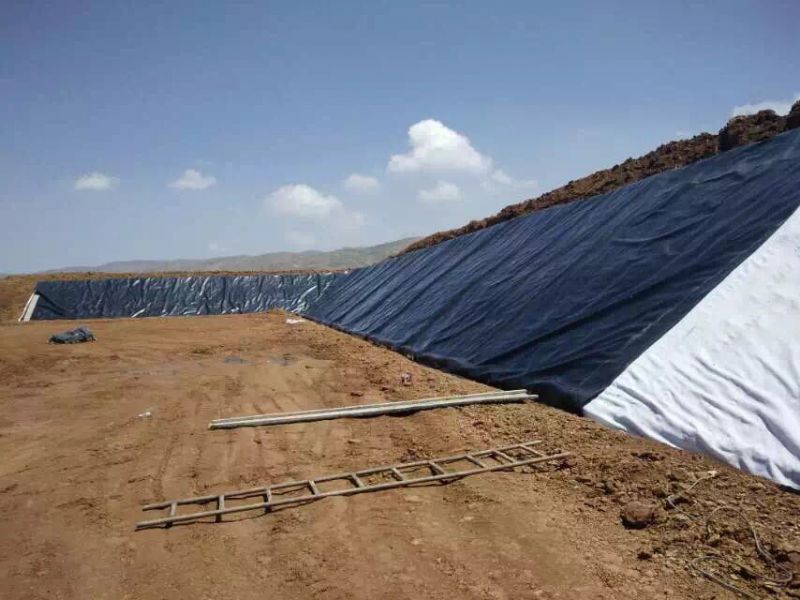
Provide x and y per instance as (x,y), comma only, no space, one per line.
(558,302)
(562,300)
(73,336)
(172,296)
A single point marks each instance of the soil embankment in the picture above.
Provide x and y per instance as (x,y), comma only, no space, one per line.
(673,155)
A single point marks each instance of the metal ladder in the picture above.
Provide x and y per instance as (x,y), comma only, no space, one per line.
(357,482)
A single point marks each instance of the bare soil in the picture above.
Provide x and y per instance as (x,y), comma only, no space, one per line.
(78,463)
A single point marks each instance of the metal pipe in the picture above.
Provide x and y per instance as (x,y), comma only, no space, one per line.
(509,394)
(357,411)
(520,392)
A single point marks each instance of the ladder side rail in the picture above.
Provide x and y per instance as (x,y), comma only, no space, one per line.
(345,492)
(364,472)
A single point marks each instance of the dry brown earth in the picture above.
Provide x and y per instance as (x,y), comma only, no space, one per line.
(77,464)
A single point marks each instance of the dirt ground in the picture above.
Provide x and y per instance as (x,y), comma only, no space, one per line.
(78,463)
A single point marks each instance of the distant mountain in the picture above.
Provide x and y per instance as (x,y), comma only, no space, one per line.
(344,258)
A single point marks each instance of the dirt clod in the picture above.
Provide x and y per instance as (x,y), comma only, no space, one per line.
(638,515)
(610,486)
(793,119)
(747,129)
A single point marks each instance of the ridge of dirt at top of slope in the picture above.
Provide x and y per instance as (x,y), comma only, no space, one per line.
(738,131)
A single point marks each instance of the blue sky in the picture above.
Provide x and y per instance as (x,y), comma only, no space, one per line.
(186,129)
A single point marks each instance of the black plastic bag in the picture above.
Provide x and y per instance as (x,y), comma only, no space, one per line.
(74,336)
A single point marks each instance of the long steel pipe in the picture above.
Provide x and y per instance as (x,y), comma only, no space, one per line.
(492,394)
(370,411)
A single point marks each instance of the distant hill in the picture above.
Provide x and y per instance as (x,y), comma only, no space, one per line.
(344,258)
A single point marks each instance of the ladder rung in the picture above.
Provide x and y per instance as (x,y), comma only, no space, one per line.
(357,480)
(173,509)
(397,474)
(312,485)
(531,450)
(474,461)
(504,456)
(436,468)
(220,506)
(268,499)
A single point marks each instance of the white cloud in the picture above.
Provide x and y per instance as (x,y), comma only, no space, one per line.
(437,148)
(314,219)
(499,180)
(301,200)
(95,182)
(304,202)
(192,179)
(443,191)
(215,247)
(361,183)
(781,107)
(501,177)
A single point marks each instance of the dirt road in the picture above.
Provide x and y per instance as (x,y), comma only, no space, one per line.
(77,464)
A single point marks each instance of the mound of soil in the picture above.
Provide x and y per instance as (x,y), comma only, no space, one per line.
(793,118)
(673,155)
(749,129)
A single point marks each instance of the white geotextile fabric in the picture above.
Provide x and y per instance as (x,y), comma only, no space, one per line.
(726,379)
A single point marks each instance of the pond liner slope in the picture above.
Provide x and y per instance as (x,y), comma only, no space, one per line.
(561,301)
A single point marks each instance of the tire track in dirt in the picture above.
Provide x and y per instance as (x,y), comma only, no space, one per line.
(157,483)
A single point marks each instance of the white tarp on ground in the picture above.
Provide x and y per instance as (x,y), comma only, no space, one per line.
(726,379)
